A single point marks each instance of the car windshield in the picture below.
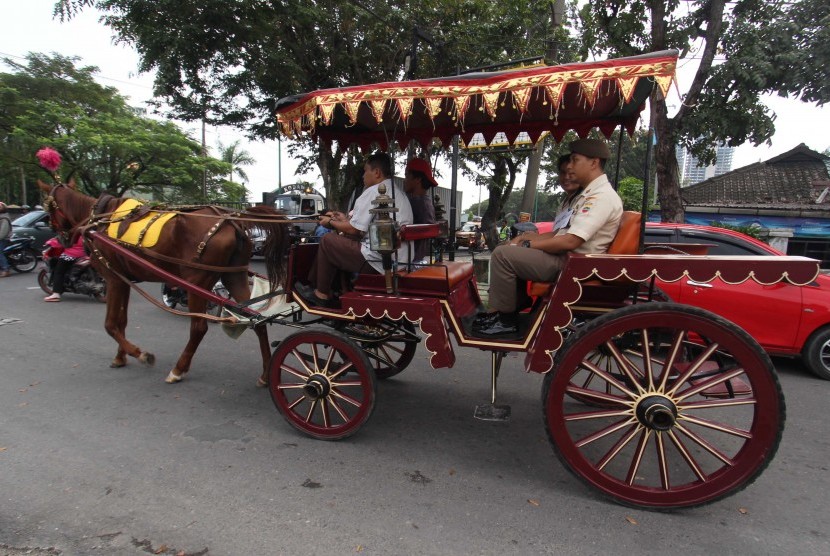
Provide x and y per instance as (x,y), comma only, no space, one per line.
(288,204)
(26,220)
(469,227)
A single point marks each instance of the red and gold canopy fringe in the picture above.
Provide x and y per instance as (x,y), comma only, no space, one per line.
(533,100)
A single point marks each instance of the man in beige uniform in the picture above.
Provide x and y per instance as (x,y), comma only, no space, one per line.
(590,228)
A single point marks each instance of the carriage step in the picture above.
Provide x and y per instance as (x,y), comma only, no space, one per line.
(492,412)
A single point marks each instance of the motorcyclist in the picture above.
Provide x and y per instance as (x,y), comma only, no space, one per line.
(5,234)
(63,265)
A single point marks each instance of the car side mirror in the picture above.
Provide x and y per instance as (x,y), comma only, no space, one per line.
(41,224)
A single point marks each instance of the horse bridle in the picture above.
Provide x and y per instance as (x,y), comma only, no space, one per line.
(50,205)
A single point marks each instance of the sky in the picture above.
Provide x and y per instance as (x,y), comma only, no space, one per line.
(28,26)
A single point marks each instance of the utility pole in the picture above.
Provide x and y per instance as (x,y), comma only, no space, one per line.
(23,186)
(535,160)
(204,156)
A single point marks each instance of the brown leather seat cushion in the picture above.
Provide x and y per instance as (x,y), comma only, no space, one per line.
(438,279)
(626,242)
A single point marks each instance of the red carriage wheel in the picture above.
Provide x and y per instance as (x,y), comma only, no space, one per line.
(689,410)
(322,384)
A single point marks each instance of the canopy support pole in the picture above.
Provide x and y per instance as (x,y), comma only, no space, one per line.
(453,190)
(619,159)
(646,186)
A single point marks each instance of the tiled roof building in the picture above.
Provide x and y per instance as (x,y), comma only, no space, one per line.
(795,182)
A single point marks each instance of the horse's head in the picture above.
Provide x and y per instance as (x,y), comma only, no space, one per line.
(66,206)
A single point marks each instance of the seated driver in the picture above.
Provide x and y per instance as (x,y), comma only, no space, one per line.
(349,249)
(590,228)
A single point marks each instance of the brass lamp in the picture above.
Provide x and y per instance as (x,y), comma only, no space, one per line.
(383,232)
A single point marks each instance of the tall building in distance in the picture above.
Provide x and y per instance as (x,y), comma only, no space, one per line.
(692,172)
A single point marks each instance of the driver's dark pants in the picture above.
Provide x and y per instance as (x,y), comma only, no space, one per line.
(62,266)
(4,263)
(510,263)
(335,253)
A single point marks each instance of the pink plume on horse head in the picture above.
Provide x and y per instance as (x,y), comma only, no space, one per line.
(49,158)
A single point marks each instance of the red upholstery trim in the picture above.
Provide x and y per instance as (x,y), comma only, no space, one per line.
(412,232)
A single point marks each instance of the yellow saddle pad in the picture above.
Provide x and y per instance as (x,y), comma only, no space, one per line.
(144,232)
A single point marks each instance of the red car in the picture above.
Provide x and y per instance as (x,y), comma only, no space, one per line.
(786,320)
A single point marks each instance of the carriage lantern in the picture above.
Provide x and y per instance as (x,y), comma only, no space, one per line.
(383,232)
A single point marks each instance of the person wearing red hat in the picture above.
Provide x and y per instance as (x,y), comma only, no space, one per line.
(418,181)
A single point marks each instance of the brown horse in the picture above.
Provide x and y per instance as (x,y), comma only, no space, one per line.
(202,242)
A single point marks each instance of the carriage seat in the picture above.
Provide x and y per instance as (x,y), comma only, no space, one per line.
(435,279)
(626,242)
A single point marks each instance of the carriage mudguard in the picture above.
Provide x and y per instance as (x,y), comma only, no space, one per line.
(578,269)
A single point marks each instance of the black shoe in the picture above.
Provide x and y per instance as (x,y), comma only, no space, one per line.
(308,295)
(501,326)
(484,320)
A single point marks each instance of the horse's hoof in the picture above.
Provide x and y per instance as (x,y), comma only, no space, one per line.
(261,383)
(173,379)
(117,364)
(147,358)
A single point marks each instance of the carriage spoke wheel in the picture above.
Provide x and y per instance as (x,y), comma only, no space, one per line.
(322,384)
(682,409)
(389,345)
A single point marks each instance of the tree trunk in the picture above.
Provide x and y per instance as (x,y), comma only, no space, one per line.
(531,184)
(504,177)
(668,180)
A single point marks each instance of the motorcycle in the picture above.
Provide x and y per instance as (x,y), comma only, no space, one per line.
(82,278)
(172,296)
(20,254)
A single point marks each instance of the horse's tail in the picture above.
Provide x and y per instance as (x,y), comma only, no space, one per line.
(277,240)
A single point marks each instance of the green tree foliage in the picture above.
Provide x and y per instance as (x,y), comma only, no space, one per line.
(632,162)
(229,62)
(545,206)
(742,49)
(236,157)
(631,192)
(105,144)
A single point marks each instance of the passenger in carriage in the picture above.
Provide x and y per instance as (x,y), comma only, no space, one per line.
(349,249)
(572,190)
(418,182)
(588,227)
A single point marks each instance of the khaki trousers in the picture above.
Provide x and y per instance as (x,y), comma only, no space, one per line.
(510,263)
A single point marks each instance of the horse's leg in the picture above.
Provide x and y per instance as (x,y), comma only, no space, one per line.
(198,329)
(116,324)
(265,351)
(239,290)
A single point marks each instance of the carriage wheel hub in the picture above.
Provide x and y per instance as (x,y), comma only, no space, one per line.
(657,412)
(317,387)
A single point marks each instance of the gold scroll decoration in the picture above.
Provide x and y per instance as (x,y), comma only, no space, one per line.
(521,98)
(433,107)
(491,102)
(590,88)
(554,93)
(462,104)
(626,85)
(664,82)
(405,108)
(377,107)
(352,107)
(326,111)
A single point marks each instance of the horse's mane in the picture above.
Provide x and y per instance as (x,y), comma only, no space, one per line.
(277,241)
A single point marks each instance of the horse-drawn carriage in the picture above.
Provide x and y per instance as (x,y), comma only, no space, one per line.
(654,404)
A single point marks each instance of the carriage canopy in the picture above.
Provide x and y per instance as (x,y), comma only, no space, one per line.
(534,100)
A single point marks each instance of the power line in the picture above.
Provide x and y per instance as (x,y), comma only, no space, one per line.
(94,74)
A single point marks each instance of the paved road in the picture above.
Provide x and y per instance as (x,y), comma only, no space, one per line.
(96,460)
